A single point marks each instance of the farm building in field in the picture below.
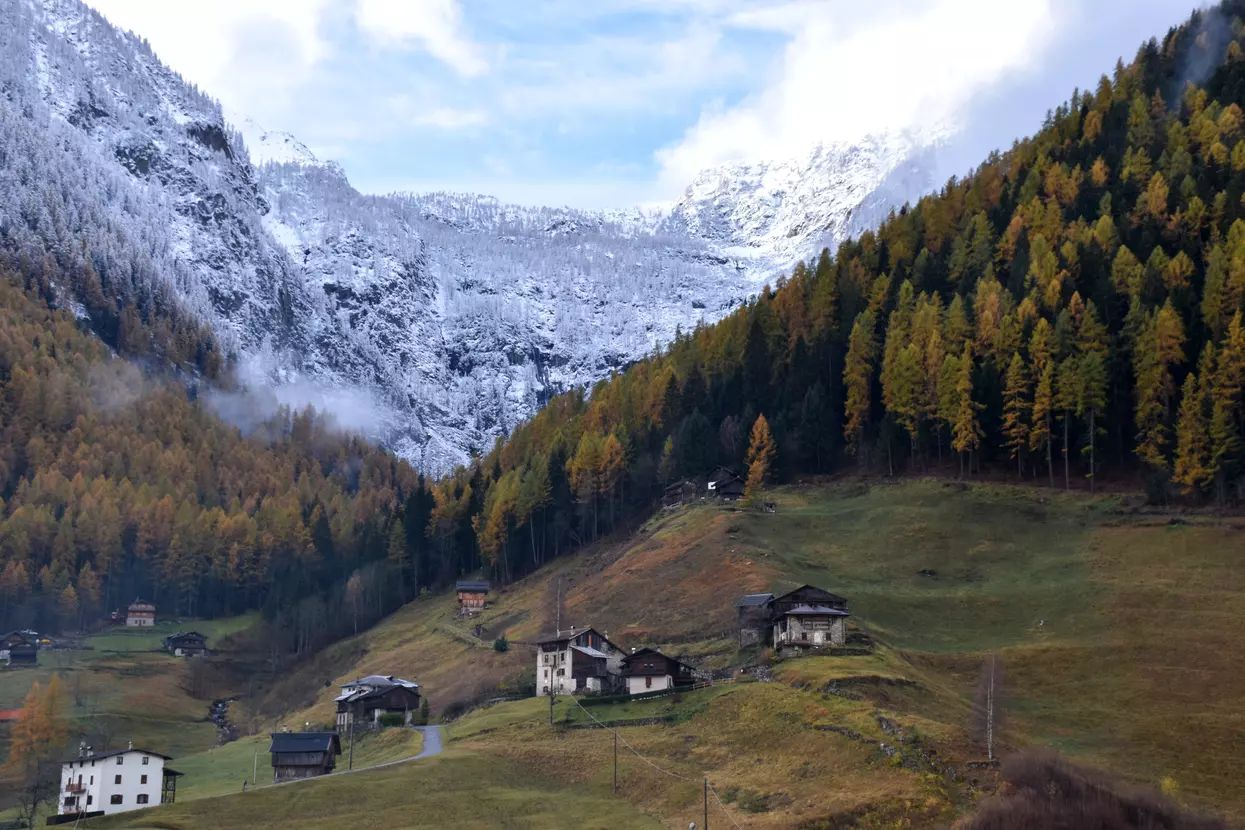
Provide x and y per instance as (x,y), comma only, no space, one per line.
(472,594)
(103,783)
(577,661)
(19,648)
(186,644)
(679,494)
(807,617)
(648,670)
(140,614)
(363,701)
(753,618)
(725,484)
(303,754)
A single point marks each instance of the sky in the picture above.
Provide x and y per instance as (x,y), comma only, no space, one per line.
(613,103)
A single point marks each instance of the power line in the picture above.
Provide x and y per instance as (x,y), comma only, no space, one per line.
(637,754)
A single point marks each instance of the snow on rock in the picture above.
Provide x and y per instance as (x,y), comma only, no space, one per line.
(434,322)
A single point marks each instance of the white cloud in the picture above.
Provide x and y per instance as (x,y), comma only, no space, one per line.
(451,118)
(842,76)
(435,24)
(241,51)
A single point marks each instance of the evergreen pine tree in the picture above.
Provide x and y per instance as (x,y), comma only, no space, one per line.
(1016,409)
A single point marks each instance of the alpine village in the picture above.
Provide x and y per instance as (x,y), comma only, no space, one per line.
(940,527)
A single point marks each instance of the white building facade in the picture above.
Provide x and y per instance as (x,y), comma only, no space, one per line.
(114,782)
(577,661)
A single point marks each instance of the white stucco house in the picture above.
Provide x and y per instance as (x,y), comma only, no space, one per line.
(103,783)
(648,670)
(576,662)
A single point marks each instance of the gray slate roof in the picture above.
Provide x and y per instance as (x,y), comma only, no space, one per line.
(472,585)
(305,742)
(815,611)
(752,600)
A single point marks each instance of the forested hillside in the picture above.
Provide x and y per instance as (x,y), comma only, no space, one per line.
(115,484)
(1072,307)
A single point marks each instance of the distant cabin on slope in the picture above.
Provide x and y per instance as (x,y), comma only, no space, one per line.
(679,494)
(807,617)
(725,484)
(472,594)
(186,644)
(19,648)
(140,614)
(753,618)
(648,670)
(363,701)
(576,661)
(303,754)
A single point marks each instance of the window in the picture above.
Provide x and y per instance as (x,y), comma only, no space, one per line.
(118,780)
(142,798)
(90,799)
(92,779)
(116,799)
(648,682)
(143,780)
(120,758)
(145,760)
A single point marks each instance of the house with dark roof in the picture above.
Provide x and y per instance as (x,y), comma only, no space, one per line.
(648,670)
(753,618)
(803,618)
(680,493)
(472,594)
(19,648)
(724,484)
(186,644)
(577,661)
(363,701)
(303,754)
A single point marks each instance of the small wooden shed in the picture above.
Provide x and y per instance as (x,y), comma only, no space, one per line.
(303,754)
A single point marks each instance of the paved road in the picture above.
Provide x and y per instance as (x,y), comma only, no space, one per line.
(432,746)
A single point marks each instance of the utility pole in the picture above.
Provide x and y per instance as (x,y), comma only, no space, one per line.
(557,611)
(551,702)
(706,827)
(615,762)
(351,766)
(990,713)
(255,769)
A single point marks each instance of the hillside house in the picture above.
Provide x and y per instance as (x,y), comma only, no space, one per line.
(472,594)
(810,626)
(648,670)
(140,614)
(19,648)
(753,619)
(363,701)
(103,783)
(303,754)
(577,661)
(724,484)
(679,494)
(186,644)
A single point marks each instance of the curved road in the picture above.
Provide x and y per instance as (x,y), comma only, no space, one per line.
(432,746)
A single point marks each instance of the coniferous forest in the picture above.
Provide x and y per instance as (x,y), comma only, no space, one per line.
(1068,312)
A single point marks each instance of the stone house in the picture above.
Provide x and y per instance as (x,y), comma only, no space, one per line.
(753,619)
(577,661)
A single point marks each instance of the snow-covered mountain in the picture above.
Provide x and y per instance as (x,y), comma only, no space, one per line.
(435,322)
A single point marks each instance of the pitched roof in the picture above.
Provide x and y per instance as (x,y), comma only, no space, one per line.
(305,742)
(814,611)
(95,756)
(569,634)
(385,680)
(591,652)
(182,635)
(18,634)
(472,585)
(629,669)
(834,597)
(750,600)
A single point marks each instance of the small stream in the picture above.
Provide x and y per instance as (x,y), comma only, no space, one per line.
(218,713)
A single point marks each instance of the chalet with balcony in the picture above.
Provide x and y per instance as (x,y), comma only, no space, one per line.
(577,661)
(140,614)
(648,670)
(103,783)
(363,701)
(303,754)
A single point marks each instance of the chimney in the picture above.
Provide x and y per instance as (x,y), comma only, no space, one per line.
(130,745)
(82,749)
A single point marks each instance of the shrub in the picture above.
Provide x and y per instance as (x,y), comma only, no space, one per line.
(423,712)
(392,719)
(501,644)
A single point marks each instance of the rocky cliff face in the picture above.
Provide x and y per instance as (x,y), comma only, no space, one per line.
(434,322)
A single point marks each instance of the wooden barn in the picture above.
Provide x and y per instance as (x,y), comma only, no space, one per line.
(679,494)
(303,754)
(472,594)
(186,644)
(725,484)
(753,619)
(363,701)
(19,648)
